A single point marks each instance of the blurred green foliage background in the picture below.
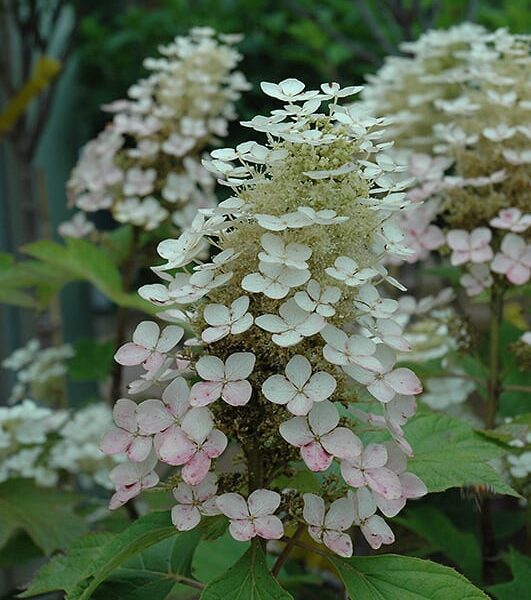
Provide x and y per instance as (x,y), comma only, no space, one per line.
(313,40)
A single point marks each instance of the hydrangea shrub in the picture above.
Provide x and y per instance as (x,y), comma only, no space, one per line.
(145,166)
(292,328)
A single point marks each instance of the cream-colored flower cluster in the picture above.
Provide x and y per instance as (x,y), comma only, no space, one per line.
(292,326)
(45,444)
(146,165)
(461,107)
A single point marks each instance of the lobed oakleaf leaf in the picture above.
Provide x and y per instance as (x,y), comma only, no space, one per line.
(46,515)
(435,527)
(249,578)
(449,453)
(393,577)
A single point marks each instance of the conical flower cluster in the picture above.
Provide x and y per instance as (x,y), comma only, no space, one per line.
(146,165)
(461,107)
(292,329)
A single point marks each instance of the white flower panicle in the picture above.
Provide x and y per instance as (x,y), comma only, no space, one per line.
(145,166)
(281,317)
(460,105)
(39,371)
(44,444)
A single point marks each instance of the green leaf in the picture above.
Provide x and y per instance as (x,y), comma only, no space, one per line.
(521,583)
(436,528)
(92,360)
(248,579)
(448,453)
(46,515)
(213,557)
(81,260)
(65,571)
(153,573)
(393,577)
(142,534)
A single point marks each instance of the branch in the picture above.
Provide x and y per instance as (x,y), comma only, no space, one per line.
(517,388)
(335,34)
(288,548)
(308,547)
(472,9)
(375,28)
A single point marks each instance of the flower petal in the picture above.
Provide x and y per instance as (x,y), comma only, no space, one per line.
(185,517)
(263,502)
(233,506)
(237,393)
(269,527)
(315,457)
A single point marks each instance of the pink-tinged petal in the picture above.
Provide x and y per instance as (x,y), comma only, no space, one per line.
(237,393)
(176,397)
(176,448)
(300,405)
(124,414)
(153,416)
(352,474)
(139,448)
(215,444)
(501,263)
(342,443)
(233,506)
(115,441)
(124,495)
(459,258)
(323,417)
(185,517)
(242,530)
(207,488)
(315,457)
(209,508)
(480,237)
(296,432)
(404,381)
(390,508)
(124,475)
(150,480)
(146,334)
(458,239)
(154,362)
(339,543)
(481,255)
(184,493)
(377,532)
(197,424)
(278,389)
(412,486)
(374,456)
(205,392)
(196,469)
(340,515)
(384,482)
(263,502)
(364,502)
(269,527)
(314,510)
(518,274)
(513,245)
(316,533)
(381,390)
(131,354)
